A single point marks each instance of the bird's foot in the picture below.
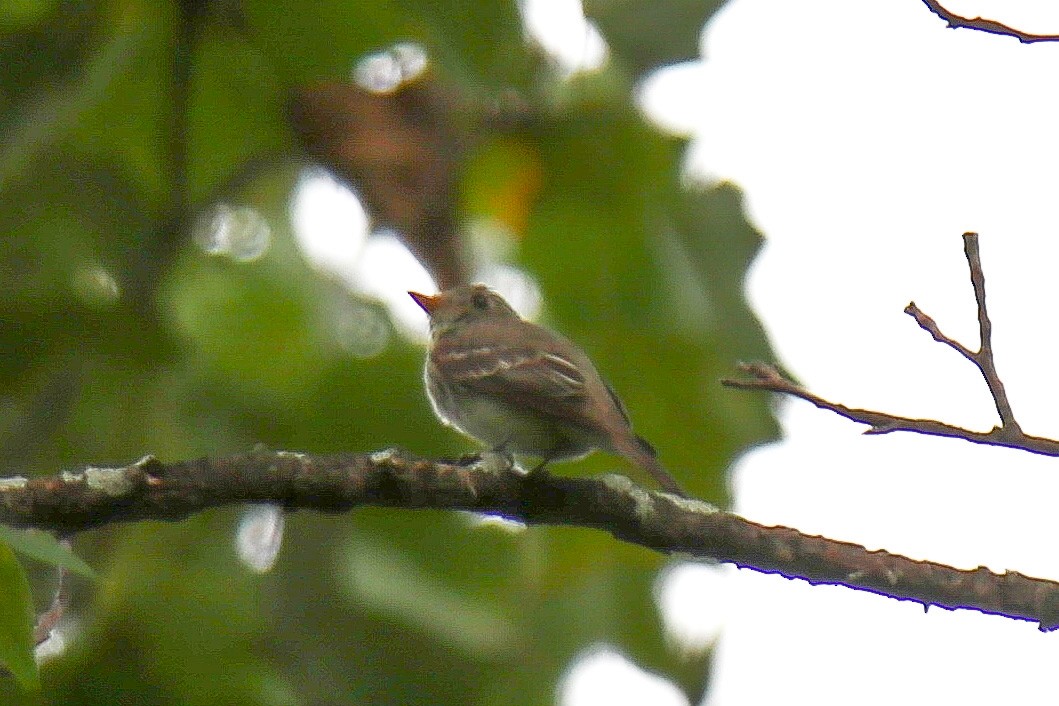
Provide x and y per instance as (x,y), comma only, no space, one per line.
(492,457)
(468,459)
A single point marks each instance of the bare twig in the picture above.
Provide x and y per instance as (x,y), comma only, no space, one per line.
(768,378)
(151,489)
(983,357)
(1009,434)
(986,25)
(49,619)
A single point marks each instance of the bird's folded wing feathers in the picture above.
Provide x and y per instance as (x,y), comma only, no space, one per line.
(510,371)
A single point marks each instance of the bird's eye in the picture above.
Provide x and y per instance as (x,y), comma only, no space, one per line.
(480,301)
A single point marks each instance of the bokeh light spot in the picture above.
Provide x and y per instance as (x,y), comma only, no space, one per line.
(240,233)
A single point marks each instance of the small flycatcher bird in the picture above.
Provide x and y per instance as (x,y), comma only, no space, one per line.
(521,388)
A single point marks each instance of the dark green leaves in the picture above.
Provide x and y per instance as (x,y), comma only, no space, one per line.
(16,621)
(45,548)
(121,337)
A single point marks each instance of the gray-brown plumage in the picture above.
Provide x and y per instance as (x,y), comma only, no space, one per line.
(521,388)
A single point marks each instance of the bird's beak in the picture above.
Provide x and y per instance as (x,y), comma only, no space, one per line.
(428,303)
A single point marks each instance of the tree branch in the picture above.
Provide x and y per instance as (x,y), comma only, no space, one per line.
(1009,434)
(767,377)
(983,357)
(150,489)
(986,25)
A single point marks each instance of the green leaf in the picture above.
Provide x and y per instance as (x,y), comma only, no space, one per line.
(16,621)
(44,547)
(133,330)
(643,41)
(236,116)
(632,265)
(479,42)
(385,581)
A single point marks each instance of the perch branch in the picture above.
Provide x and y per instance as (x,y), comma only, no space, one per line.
(150,489)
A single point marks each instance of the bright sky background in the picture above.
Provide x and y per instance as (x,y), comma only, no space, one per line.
(867,138)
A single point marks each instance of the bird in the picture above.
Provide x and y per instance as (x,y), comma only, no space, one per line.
(520,388)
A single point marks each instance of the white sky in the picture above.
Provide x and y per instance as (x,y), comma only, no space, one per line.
(867,138)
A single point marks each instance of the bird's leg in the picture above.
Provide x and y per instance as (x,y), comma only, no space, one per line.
(501,449)
(469,459)
(478,456)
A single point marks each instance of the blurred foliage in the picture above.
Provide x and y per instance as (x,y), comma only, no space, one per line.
(644,37)
(16,612)
(123,337)
(44,547)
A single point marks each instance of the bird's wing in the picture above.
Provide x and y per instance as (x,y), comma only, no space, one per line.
(517,374)
(618,403)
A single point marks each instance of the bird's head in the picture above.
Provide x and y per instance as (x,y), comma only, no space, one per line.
(465,304)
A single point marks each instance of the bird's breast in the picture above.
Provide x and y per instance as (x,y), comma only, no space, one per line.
(498,424)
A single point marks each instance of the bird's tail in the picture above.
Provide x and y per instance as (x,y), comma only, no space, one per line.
(638,450)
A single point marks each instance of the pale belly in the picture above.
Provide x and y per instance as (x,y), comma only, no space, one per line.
(499,426)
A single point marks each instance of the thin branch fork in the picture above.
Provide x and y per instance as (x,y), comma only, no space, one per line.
(150,489)
(761,376)
(983,357)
